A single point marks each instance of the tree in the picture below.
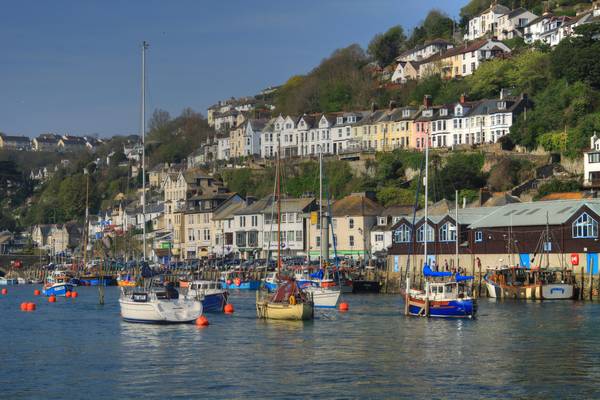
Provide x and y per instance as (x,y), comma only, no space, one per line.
(159,120)
(576,58)
(384,48)
(436,25)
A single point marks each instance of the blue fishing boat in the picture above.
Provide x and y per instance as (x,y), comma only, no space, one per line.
(270,282)
(230,280)
(57,284)
(210,293)
(446,295)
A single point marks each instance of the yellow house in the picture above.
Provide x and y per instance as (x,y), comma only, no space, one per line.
(368,130)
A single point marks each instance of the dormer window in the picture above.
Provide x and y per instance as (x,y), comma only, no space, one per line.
(428,113)
(501,105)
(405,113)
(340,120)
(458,111)
(352,119)
(443,112)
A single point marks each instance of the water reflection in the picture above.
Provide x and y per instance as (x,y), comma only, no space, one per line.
(524,350)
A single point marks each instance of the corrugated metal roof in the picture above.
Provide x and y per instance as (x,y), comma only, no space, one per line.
(535,213)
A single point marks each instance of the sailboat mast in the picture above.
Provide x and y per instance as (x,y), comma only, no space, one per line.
(321,254)
(279,207)
(426,223)
(456,228)
(144,48)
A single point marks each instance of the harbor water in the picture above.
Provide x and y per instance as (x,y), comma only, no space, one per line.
(77,349)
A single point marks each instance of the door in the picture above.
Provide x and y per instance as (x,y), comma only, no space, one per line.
(592,262)
(524,260)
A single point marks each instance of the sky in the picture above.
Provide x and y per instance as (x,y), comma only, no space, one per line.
(74,66)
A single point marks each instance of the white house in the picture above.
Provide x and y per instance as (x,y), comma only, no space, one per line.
(341,132)
(425,50)
(591,163)
(546,29)
(289,136)
(252,136)
(269,138)
(512,24)
(223,148)
(486,22)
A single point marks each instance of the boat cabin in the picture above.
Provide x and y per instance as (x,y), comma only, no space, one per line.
(441,291)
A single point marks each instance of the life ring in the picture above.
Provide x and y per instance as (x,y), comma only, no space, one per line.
(237,281)
(292,300)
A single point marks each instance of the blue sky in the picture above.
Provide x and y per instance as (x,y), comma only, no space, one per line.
(73,66)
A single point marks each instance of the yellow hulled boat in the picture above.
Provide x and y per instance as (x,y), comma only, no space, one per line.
(288,303)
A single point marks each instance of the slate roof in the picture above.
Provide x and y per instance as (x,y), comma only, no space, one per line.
(356,204)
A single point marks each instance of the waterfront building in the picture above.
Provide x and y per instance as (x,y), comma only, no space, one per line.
(56,238)
(505,235)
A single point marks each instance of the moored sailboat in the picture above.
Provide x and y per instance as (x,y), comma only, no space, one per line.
(150,303)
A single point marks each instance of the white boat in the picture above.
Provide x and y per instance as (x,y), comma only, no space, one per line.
(323,297)
(22,281)
(210,293)
(157,306)
(8,281)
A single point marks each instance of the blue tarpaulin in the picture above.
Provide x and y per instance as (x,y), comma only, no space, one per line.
(318,275)
(434,274)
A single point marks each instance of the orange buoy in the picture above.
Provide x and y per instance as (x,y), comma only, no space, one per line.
(23,306)
(228,309)
(52,299)
(68,294)
(30,306)
(344,307)
(4,291)
(238,281)
(202,321)
(36,292)
(74,294)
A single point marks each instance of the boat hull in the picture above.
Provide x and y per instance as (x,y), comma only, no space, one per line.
(323,298)
(244,285)
(58,289)
(284,311)
(443,309)
(176,311)
(271,286)
(214,302)
(555,291)
(8,281)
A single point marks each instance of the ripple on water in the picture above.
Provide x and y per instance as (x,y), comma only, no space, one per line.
(76,347)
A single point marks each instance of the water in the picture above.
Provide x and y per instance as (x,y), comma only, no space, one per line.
(77,349)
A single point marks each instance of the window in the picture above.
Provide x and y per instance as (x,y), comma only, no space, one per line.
(448,232)
(379,238)
(242,221)
(206,235)
(351,223)
(299,236)
(478,236)
(190,234)
(402,234)
(351,240)
(240,239)
(593,158)
(421,233)
(318,240)
(254,220)
(252,239)
(290,236)
(585,227)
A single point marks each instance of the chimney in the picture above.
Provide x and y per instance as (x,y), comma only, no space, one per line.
(373,107)
(392,104)
(463,98)
(427,102)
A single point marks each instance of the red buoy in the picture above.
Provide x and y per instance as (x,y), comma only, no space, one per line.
(74,294)
(228,309)
(36,292)
(4,291)
(30,306)
(228,281)
(52,299)
(202,321)
(344,307)
(238,282)
(68,294)
(23,306)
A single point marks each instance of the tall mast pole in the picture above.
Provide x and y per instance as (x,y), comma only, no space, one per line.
(144,48)
(278,206)
(456,227)
(321,253)
(426,224)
